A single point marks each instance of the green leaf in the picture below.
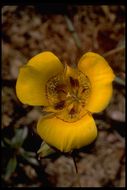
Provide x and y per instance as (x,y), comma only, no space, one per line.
(11,166)
(19,137)
(2,144)
(31,160)
(29,156)
(8,141)
(45,150)
(26,153)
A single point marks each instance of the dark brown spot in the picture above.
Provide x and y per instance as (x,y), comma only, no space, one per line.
(84,89)
(83,104)
(74,82)
(61,88)
(59,105)
(72,111)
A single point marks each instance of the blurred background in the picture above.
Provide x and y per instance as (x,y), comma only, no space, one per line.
(68,31)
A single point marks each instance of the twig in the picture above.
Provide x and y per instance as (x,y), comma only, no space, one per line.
(72,30)
(120,81)
(114,51)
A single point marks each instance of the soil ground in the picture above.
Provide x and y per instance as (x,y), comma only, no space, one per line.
(28,30)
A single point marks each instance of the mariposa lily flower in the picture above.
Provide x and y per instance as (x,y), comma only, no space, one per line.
(71,95)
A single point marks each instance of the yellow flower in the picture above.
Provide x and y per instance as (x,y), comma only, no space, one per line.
(71,94)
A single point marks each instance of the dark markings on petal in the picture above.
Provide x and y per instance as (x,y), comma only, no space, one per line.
(59,105)
(61,88)
(72,111)
(84,89)
(74,82)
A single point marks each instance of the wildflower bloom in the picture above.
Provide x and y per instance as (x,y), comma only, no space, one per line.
(71,94)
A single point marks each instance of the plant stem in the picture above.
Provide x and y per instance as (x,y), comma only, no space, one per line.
(74,161)
(76,170)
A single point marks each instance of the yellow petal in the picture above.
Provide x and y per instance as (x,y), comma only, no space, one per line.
(67,136)
(47,63)
(100,74)
(32,79)
(99,98)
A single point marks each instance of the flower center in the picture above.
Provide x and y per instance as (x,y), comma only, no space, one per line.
(68,96)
